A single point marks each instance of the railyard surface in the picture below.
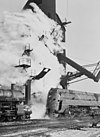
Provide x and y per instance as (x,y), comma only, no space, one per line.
(49,128)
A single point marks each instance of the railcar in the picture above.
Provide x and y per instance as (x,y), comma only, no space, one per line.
(72,104)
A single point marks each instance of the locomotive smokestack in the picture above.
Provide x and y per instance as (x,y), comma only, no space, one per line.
(28,91)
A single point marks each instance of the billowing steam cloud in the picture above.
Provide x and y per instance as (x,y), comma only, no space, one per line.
(44,36)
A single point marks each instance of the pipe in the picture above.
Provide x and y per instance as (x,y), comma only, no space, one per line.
(28,92)
(12,89)
(77,67)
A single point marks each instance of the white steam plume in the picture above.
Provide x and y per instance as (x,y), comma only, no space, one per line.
(44,36)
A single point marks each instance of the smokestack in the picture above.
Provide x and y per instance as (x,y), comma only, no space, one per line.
(12,89)
(28,92)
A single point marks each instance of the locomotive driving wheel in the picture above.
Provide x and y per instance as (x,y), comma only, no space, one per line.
(22,117)
(2,118)
(10,118)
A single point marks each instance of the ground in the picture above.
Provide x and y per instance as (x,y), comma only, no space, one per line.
(48,128)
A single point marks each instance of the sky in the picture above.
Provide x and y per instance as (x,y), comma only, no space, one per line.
(82,35)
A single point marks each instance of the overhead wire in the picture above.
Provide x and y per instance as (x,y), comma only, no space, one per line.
(67,10)
(90,65)
(78,80)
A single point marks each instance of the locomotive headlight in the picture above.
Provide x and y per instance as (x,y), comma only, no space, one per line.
(27,108)
(49,96)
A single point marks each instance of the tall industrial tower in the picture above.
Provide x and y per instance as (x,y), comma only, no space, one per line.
(49,8)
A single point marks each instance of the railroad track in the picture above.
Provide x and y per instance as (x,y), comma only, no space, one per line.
(39,126)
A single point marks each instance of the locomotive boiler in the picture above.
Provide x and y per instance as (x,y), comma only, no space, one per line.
(12,105)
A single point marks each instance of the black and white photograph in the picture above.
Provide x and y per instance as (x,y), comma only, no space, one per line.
(49,68)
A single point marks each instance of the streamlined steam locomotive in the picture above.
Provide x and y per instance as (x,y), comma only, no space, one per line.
(12,105)
(72,104)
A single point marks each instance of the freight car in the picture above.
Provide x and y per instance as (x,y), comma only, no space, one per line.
(12,105)
(72,104)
